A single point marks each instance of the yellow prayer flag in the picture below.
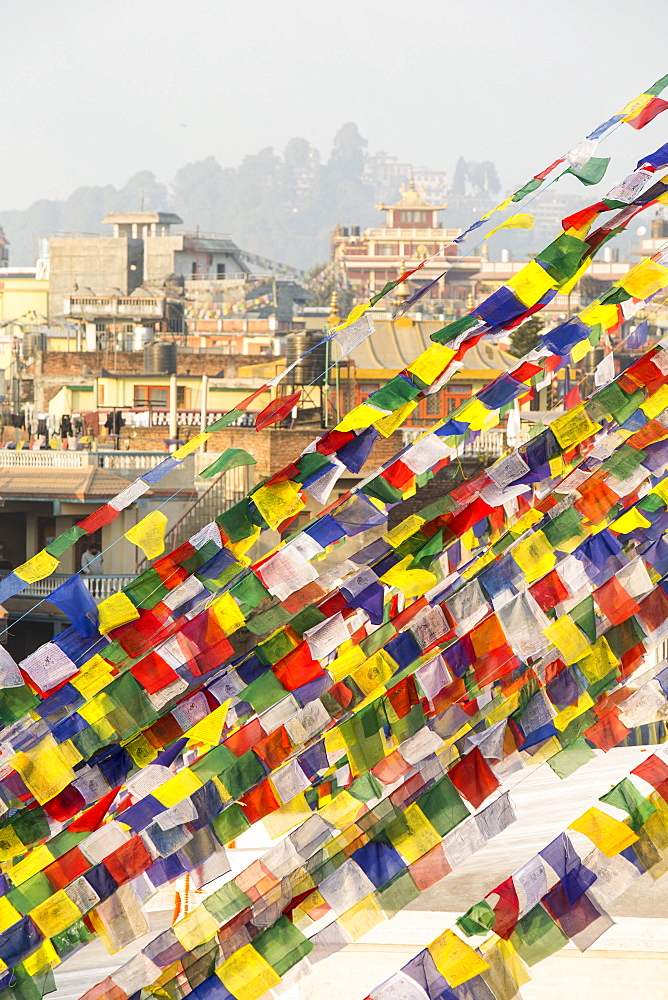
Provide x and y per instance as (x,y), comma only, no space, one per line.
(573,427)
(569,285)
(115,611)
(360,417)
(564,718)
(227,613)
(346,662)
(355,313)
(195,928)
(246,974)
(9,915)
(149,534)
(409,526)
(429,365)
(37,568)
(361,918)
(571,642)
(499,208)
(388,425)
(36,861)
(534,556)
(210,729)
(656,403)
(342,810)
(634,107)
(10,846)
(526,521)
(606,833)
(580,350)
(630,520)
(645,279)
(599,661)
(473,412)
(281,821)
(46,957)
(522,220)
(375,671)
(412,834)
(190,446)
(94,676)
(178,788)
(55,914)
(456,960)
(531,283)
(411,582)
(277,502)
(606,315)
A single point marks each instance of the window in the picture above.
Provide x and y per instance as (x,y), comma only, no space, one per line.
(457,393)
(157,397)
(220,270)
(433,405)
(193,269)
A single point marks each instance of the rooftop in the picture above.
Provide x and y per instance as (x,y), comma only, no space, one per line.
(393,347)
(60,484)
(142,219)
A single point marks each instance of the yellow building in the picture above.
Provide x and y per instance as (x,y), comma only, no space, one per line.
(24,305)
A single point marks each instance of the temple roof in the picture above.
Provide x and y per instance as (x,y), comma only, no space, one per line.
(411,198)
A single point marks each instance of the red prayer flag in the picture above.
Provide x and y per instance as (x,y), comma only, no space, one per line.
(278,409)
(648,113)
(94,817)
(474,778)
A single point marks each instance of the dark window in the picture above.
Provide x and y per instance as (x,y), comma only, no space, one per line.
(220,270)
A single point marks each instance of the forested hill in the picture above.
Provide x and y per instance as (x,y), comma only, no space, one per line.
(278,206)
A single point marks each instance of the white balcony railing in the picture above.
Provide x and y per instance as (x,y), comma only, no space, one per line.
(99,586)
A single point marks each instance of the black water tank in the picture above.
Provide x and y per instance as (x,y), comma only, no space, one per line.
(310,369)
(160,358)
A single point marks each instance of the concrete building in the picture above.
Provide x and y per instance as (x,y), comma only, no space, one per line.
(130,275)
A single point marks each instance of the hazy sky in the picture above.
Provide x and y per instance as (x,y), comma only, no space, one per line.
(93,91)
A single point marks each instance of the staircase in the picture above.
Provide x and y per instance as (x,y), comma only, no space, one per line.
(226,490)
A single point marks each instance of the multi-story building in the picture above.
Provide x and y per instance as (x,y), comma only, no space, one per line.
(369,258)
(133,275)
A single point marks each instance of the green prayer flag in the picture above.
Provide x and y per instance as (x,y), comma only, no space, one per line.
(282,945)
(233,458)
(626,796)
(584,616)
(443,806)
(478,919)
(250,590)
(397,894)
(590,172)
(265,691)
(537,935)
(394,394)
(452,330)
(65,541)
(226,902)
(225,421)
(658,87)
(571,758)
(528,188)
(563,256)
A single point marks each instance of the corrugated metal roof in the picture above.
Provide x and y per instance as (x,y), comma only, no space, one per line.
(393,347)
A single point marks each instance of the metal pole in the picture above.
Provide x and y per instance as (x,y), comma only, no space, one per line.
(325,388)
(203,410)
(172,407)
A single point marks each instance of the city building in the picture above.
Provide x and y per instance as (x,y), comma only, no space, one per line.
(367,259)
(134,275)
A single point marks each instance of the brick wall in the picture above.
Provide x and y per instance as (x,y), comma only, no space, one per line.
(67,363)
(274,448)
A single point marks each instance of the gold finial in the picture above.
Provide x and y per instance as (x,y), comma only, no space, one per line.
(401,293)
(469,302)
(334,318)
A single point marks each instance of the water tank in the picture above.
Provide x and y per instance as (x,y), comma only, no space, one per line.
(142,336)
(160,358)
(310,369)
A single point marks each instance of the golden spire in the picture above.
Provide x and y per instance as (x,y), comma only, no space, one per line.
(401,293)
(334,318)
